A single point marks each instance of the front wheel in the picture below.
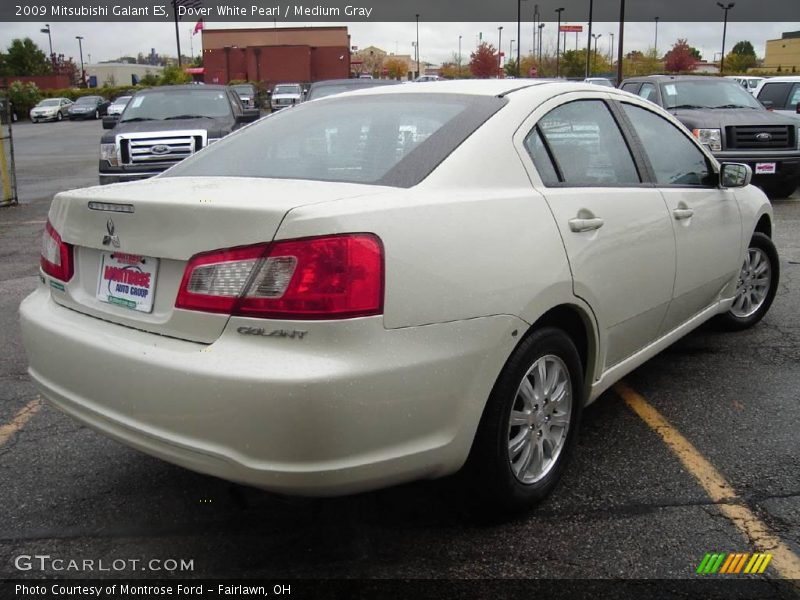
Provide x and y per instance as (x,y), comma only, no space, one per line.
(529,425)
(780,190)
(756,285)
(96,115)
(59,116)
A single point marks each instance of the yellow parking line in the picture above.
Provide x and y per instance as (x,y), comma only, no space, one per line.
(784,561)
(18,422)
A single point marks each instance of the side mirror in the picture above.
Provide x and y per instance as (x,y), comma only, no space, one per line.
(249,115)
(109,122)
(734,175)
(768,104)
(797,108)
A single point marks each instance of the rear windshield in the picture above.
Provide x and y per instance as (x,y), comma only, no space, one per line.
(394,140)
(50,102)
(87,100)
(287,89)
(243,88)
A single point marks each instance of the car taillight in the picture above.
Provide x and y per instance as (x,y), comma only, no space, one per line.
(56,255)
(331,277)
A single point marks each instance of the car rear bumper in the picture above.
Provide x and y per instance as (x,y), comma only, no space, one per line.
(348,407)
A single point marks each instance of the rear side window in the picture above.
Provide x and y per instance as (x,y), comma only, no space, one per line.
(393,140)
(541,158)
(674,158)
(777,93)
(648,92)
(630,87)
(587,145)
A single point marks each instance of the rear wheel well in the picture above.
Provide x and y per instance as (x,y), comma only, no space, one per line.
(764,226)
(574,323)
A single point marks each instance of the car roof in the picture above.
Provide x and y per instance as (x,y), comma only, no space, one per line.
(354,82)
(783,79)
(475,87)
(184,86)
(674,78)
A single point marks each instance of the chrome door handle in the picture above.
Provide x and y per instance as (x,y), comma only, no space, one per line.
(581,225)
(682,213)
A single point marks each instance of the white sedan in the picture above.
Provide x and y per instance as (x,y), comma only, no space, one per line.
(394,284)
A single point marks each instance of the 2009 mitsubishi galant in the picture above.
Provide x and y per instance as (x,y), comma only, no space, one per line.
(394,284)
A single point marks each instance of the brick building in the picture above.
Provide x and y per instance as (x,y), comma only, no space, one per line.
(275,55)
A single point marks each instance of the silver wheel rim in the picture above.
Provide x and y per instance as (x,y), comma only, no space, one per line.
(753,284)
(539,420)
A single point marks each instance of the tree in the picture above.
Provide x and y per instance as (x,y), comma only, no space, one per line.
(395,68)
(741,57)
(745,48)
(510,68)
(638,63)
(483,62)
(572,63)
(679,59)
(25,58)
(695,53)
(24,96)
(172,75)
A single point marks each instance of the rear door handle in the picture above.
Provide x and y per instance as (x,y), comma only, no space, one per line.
(682,213)
(581,225)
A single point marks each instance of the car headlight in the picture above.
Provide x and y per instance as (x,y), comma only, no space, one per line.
(710,137)
(109,152)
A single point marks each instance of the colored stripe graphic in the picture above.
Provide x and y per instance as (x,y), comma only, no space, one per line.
(703,563)
(718,562)
(740,564)
(727,564)
(734,563)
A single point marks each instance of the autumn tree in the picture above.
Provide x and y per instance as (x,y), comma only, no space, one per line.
(395,68)
(679,58)
(741,57)
(484,61)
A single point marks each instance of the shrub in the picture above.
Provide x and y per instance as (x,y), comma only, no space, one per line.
(24,96)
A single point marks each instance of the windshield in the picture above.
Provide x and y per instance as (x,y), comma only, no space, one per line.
(50,102)
(122,100)
(707,94)
(324,91)
(175,104)
(87,100)
(286,89)
(384,140)
(243,89)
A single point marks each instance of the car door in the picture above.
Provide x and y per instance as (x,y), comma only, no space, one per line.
(615,228)
(705,218)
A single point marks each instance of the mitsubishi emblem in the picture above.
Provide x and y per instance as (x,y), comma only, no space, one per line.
(110,238)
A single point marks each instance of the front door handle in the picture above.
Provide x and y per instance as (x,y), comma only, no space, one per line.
(682,213)
(581,225)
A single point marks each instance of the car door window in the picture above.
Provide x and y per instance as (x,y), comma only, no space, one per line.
(776,93)
(794,97)
(541,158)
(630,87)
(675,159)
(586,145)
(648,92)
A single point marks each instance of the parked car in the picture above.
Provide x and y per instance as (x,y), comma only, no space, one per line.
(163,125)
(116,107)
(428,78)
(286,94)
(323,89)
(733,124)
(88,107)
(748,83)
(355,293)
(781,95)
(50,109)
(248,94)
(604,81)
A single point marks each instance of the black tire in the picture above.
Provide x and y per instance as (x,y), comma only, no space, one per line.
(96,115)
(777,191)
(737,320)
(493,489)
(59,116)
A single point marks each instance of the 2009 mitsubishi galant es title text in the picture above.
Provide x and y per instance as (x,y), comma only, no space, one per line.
(394,284)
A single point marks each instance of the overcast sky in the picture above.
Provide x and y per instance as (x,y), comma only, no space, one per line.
(438,41)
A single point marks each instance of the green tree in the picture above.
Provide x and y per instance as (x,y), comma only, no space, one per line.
(573,63)
(745,48)
(24,96)
(395,68)
(511,67)
(741,57)
(695,53)
(25,58)
(173,75)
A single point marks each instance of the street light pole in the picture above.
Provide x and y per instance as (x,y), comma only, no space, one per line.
(459,57)
(611,49)
(595,38)
(620,40)
(558,39)
(655,44)
(417,46)
(726,8)
(589,40)
(535,28)
(519,33)
(80,49)
(499,50)
(539,39)
(49,40)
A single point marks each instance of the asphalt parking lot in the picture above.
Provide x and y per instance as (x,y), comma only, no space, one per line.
(629,506)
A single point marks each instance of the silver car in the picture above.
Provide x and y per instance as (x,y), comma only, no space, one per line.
(50,109)
(118,106)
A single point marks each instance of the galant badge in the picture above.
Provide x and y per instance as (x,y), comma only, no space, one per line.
(110,238)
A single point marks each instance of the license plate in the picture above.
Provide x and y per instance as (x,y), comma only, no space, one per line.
(765,168)
(127,280)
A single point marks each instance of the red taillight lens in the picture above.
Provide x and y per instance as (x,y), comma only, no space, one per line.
(331,277)
(56,255)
